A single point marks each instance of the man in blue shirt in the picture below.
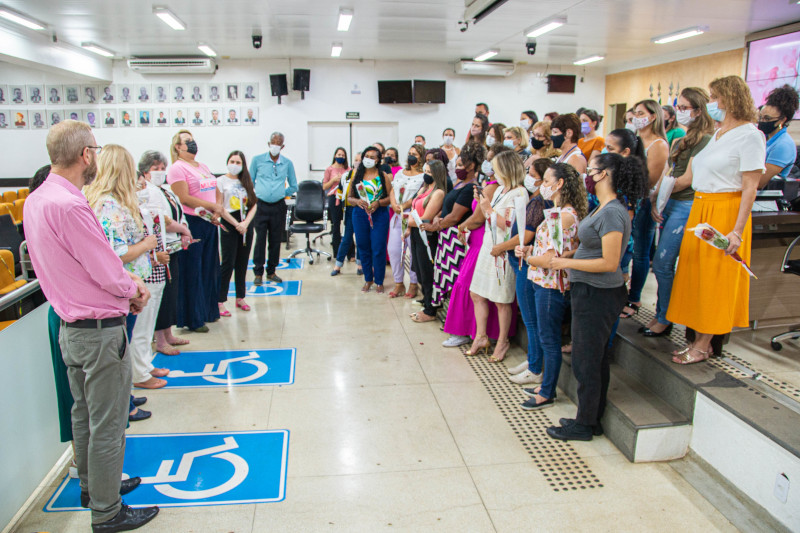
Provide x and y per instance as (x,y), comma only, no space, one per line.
(271,172)
(773,119)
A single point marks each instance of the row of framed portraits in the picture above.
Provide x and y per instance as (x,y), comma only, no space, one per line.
(158,93)
(124,117)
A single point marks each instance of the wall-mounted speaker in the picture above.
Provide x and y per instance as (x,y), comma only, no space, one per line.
(279,85)
(302,79)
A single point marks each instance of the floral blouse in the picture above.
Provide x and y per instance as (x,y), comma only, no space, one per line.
(122,231)
(550,235)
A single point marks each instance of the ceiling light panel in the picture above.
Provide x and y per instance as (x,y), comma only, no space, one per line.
(169,18)
(678,35)
(545,27)
(345,18)
(20,18)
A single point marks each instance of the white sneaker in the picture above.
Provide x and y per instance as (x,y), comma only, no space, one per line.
(73,472)
(526,378)
(519,369)
(456,340)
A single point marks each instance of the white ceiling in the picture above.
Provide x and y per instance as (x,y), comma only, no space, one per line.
(408,30)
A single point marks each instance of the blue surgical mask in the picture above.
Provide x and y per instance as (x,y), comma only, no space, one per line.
(604,150)
(716,113)
(509,143)
(341,160)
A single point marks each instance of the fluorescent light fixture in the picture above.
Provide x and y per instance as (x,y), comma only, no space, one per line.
(546,26)
(488,54)
(18,18)
(587,60)
(105,52)
(678,35)
(206,49)
(336,50)
(345,18)
(169,18)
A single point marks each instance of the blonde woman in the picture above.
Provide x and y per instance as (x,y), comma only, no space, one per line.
(112,196)
(541,144)
(494,278)
(517,139)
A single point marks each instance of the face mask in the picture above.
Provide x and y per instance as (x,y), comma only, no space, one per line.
(590,184)
(158,177)
(768,127)
(630,127)
(191,147)
(412,160)
(486,168)
(475,131)
(461,174)
(530,184)
(490,140)
(586,128)
(525,124)
(388,160)
(509,143)
(368,162)
(428,178)
(536,144)
(448,140)
(640,122)
(274,149)
(684,118)
(715,112)
(234,170)
(558,140)
(547,193)
(340,160)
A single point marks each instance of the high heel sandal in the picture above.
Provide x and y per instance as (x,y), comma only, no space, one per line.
(478,346)
(687,359)
(241,305)
(411,293)
(223,312)
(633,306)
(398,291)
(505,346)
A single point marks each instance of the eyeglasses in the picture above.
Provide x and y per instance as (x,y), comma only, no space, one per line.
(684,108)
(96,149)
(767,118)
(539,137)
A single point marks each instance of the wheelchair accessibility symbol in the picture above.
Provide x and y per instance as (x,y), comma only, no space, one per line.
(212,469)
(228,368)
(285,288)
(287,263)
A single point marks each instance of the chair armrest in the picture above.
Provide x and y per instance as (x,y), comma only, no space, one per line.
(288,219)
(789,253)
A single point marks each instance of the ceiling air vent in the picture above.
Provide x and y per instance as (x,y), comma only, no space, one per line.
(172,65)
(485,68)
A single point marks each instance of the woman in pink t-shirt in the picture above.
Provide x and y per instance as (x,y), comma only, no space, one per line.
(330,181)
(196,187)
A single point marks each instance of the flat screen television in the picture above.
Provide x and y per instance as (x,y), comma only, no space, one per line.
(561,83)
(429,92)
(773,62)
(395,92)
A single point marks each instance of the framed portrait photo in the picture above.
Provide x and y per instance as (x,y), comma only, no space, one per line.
(126,117)
(214,93)
(250,92)
(160,117)
(54,94)
(16,94)
(144,118)
(38,119)
(89,94)
(125,94)
(72,93)
(143,94)
(232,116)
(72,114)
(197,92)
(178,93)
(36,94)
(20,119)
(54,116)
(231,92)
(161,93)
(249,115)
(108,94)
(214,116)
(5,119)
(91,117)
(197,117)
(4,95)
(109,118)
(178,117)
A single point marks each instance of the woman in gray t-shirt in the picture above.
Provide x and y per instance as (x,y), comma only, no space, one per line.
(598,290)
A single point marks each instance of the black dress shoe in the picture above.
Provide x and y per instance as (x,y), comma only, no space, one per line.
(258,281)
(126,520)
(641,329)
(141,414)
(274,278)
(597,429)
(140,401)
(650,333)
(125,487)
(574,431)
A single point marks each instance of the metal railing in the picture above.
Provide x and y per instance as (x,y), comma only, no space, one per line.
(18,295)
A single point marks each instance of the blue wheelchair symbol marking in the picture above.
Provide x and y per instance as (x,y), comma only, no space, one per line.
(228,368)
(191,469)
(288,263)
(285,288)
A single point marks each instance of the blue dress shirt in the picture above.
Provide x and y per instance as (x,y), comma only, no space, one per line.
(781,152)
(270,178)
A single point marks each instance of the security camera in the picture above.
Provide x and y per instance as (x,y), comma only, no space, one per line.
(463,25)
(530,45)
(257,40)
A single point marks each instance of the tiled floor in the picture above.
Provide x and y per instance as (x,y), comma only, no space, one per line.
(391,431)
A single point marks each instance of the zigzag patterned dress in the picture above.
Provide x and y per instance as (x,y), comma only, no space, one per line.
(451,250)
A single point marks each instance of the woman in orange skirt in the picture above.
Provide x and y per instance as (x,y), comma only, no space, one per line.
(711,290)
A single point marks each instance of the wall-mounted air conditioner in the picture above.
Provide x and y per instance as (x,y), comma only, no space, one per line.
(485,68)
(172,65)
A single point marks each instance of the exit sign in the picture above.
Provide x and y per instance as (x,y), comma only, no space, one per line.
(353,115)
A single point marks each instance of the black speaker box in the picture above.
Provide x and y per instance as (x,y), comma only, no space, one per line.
(280,87)
(302,79)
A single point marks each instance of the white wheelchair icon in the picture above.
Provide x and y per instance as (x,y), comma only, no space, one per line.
(268,289)
(210,374)
(161,481)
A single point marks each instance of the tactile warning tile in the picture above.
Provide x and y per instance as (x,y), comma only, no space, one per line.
(557,460)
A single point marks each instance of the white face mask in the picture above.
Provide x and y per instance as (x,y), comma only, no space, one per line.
(530,184)
(234,170)
(640,122)
(490,140)
(486,168)
(684,118)
(158,177)
(368,162)
(630,127)
(525,124)
(546,192)
(274,149)
(448,140)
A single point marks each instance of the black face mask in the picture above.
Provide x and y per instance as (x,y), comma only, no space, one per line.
(536,144)
(388,160)
(558,140)
(412,160)
(191,147)
(428,178)
(768,127)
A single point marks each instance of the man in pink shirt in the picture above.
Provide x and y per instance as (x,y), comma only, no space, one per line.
(86,284)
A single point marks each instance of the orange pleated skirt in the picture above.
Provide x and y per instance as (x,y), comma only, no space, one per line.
(711,291)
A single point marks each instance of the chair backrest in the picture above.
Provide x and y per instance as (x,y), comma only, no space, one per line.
(23,193)
(17,210)
(7,209)
(7,276)
(10,239)
(310,203)
(9,196)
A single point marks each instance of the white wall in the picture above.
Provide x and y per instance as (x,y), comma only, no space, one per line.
(332,81)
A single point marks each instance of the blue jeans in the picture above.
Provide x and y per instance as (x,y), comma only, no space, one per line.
(669,245)
(347,239)
(551,306)
(644,230)
(527,308)
(371,242)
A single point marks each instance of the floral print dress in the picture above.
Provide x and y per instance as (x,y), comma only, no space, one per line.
(122,231)
(551,235)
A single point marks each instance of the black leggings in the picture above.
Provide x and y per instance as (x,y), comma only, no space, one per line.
(235,254)
(423,266)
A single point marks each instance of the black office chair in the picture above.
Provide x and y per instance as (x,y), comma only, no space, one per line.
(310,207)
(789,266)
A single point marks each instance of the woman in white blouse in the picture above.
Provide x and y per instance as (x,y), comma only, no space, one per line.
(711,290)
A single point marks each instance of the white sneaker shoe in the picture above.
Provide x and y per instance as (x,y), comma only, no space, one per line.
(456,340)
(73,472)
(519,369)
(526,378)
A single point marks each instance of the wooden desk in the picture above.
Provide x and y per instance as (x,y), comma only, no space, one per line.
(774,296)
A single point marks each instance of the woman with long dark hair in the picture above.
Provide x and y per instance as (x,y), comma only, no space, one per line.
(330,182)
(405,185)
(479,129)
(236,194)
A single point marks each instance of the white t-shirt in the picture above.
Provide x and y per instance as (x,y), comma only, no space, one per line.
(719,166)
(409,185)
(233,192)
